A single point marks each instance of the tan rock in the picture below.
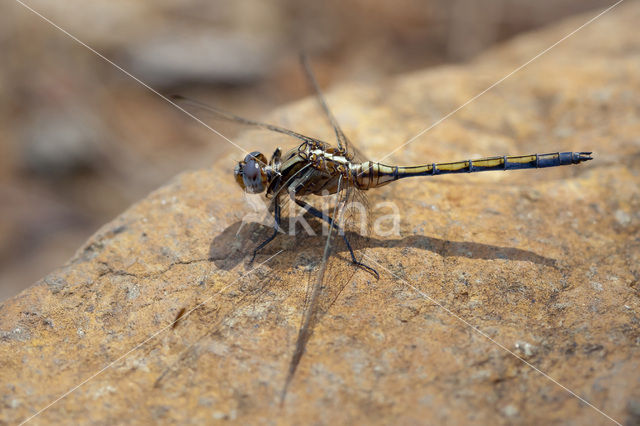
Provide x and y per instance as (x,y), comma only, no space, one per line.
(543,263)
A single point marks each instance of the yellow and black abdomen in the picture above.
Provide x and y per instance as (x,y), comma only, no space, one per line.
(371,175)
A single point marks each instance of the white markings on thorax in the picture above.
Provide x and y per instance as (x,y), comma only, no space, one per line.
(328,156)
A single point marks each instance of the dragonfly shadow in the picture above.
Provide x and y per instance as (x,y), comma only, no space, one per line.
(237,242)
(468,249)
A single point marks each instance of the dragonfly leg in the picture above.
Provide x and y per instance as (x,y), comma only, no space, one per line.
(320,215)
(276,228)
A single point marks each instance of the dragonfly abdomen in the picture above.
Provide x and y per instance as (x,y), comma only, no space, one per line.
(371,175)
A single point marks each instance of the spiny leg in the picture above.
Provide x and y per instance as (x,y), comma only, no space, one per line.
(276,228)
(320,215)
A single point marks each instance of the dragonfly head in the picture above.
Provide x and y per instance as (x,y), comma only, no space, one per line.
(250,173)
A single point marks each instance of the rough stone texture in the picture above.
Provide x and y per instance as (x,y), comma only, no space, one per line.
(63,140)
(544,262)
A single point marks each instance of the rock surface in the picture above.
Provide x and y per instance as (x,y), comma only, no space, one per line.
(544,263)
(63,141)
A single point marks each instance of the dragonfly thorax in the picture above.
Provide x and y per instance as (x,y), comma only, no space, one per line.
(251,173)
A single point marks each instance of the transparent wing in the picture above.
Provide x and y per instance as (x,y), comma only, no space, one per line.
(340,254)
(220,114)
(332,275)
(355,205)
(337,259)
(344,144)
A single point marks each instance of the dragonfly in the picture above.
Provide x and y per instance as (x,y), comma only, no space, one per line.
(315,168)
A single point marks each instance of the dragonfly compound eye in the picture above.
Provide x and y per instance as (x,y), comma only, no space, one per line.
(254,177)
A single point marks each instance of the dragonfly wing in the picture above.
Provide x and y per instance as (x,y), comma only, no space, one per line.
(334,271)
(344,144)
(219,114)
(211,315)
(340,255)
(311,310)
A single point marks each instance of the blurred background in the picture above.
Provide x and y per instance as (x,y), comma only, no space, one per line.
(81,141)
